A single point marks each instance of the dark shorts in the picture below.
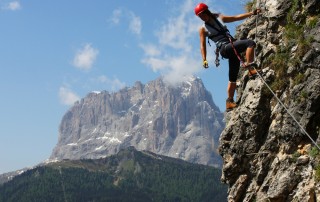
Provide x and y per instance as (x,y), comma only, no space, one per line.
(227,51)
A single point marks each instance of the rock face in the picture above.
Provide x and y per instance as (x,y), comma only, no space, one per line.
(266,156)
(180,122)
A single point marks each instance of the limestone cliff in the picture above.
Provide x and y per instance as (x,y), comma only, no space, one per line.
(178,121)
(266,156)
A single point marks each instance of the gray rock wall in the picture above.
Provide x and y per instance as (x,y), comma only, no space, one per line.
(181,122)
(266,156)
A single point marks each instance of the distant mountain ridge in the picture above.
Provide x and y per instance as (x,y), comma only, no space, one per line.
(130,175)
(178,121)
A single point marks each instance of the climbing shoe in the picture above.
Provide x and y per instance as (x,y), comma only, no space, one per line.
(230,104)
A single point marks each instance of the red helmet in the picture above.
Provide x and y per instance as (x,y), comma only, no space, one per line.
(200,8)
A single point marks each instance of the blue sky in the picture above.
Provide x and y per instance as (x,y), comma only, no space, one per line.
(53,53)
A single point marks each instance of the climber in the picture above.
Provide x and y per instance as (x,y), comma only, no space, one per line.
(228,47)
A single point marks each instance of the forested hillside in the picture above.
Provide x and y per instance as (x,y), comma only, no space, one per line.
(128,176)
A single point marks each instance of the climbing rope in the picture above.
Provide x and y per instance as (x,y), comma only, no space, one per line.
(286,109)
(279,101)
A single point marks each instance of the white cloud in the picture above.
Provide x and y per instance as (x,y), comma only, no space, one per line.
(85,57)
(173,34)
(116,14)
(181,67)
(175,68)
(134,21)
(13,6)
(114,84)
(150,49)
(135,24)
(173,55)
(156,64)
(67,97)
(178,29)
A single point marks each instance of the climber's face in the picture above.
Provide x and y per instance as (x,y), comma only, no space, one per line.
(204,16)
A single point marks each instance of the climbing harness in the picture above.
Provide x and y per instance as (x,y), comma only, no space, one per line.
(221,37)
(278,99)
(223,31)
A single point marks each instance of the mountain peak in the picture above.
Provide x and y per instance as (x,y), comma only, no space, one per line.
(179,121)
